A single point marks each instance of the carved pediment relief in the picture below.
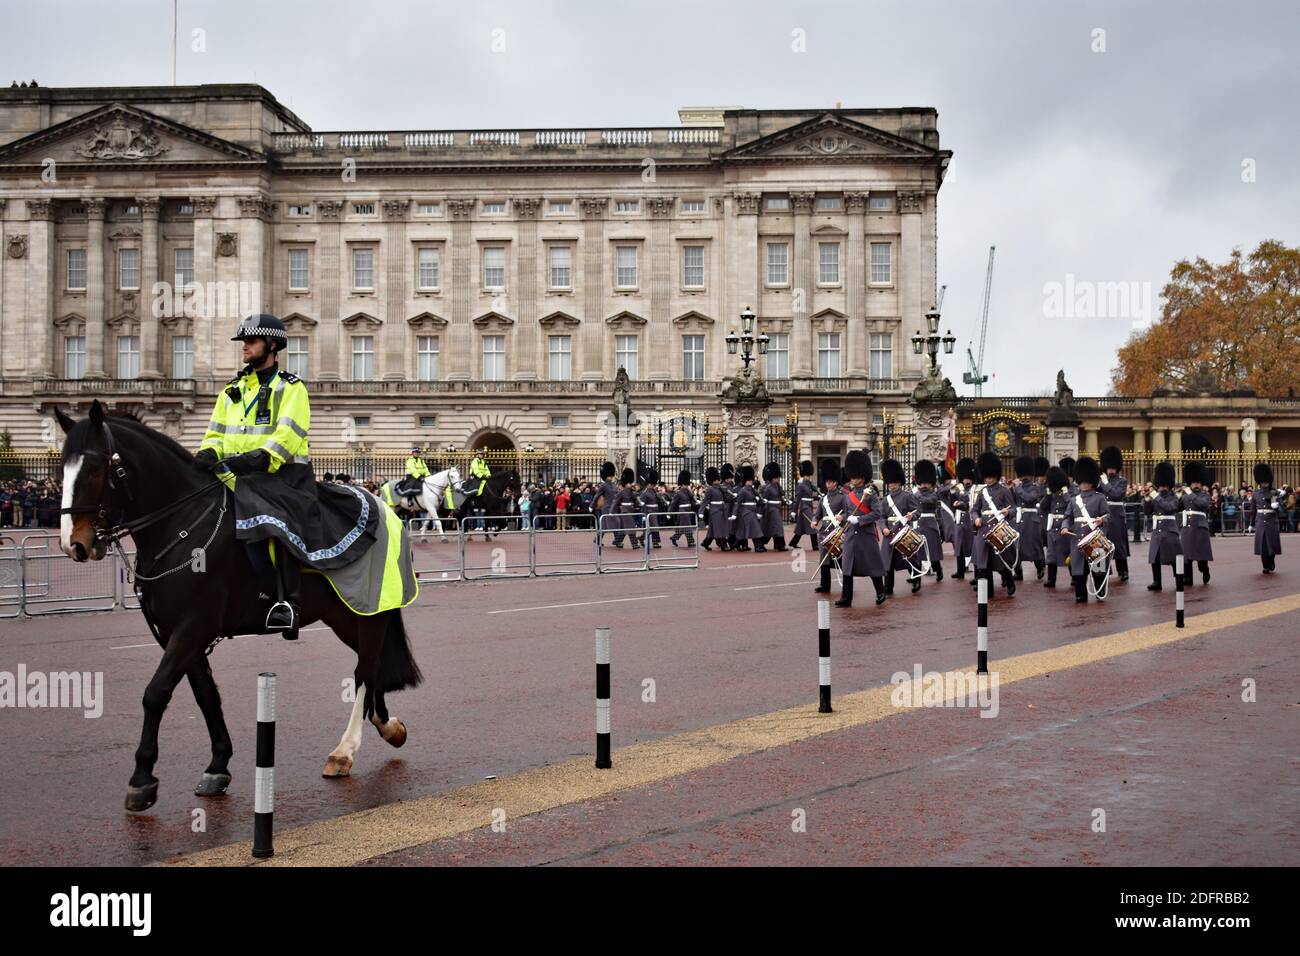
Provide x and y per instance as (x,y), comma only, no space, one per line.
(693,322)
(493,322)
(124,323)
(70,324)
(361,322)
(829,231)
(625,321)
(828,320)
(426,322)
(558,320)
(832,137)
(297,322)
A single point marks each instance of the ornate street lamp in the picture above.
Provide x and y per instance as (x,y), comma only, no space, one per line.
(746,340)
(931,340)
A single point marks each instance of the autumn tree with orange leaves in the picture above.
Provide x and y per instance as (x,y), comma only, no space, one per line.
(1238,320)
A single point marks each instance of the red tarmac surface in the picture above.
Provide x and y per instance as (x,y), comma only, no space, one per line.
(1161,740)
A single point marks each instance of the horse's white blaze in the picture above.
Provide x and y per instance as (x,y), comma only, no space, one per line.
(351,739)
(69,487)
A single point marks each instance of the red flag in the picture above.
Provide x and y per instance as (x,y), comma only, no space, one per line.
(950,456)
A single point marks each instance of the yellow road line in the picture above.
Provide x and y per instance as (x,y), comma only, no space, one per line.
(365,834)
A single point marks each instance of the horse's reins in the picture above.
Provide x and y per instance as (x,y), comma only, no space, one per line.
(110,532)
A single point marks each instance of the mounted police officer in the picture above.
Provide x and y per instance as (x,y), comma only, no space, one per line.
(479,473)
(416,471)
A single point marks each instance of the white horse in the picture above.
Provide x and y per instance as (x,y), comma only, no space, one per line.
(432,495)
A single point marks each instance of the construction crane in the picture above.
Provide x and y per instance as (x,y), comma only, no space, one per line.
(938,306)
(974,375)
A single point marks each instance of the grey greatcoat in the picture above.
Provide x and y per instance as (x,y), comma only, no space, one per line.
(860,557)
(837,502)
(905,502)
(1268,540)
(961,505)
(1116,490)
(1084,505)
(807,507)
(985,556)
(653,507)
(717,513)
(949,517)
(747,524)
(608,493)
(1028,493)
(682,508)
(930,523)
(1166,543)
(771,503)
(627,509)
(1194,530)
(1058,545)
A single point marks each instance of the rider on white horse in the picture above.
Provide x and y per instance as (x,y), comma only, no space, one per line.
(430,496)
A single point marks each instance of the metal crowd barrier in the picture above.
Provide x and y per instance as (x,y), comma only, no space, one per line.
(631,548)
(55,584)
(507,554)
(436,557)
(11,578)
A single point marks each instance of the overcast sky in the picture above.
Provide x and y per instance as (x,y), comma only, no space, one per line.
(1108,166)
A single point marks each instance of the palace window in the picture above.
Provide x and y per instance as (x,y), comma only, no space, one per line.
(128,356)
(494,267)
(494,209)
(128,269)
(882,355)
(880,203)
(628,206)
(692,205)
(429,209)
(426,358)
(828,355)
(693,267)
(427,277)
(74,356)
(625,349)
(182,356)
(363,358)
(693,357)
(428,421)
(561,267)
(184,262)
(560,350)
(777,203)
(778,355)
(77,269)
(828,263)
(778,263)
(625,275)
(299,270)
(363,209)
(559,421)
(363,268)
(829,203)
(881,272)
(559,207)
(295,356)
(299,210)
(494,358)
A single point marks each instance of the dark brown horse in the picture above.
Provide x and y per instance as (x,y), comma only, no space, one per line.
(196,585)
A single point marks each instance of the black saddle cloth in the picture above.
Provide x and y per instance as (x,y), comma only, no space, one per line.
(324,526)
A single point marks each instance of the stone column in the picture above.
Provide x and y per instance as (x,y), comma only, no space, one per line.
(855,279)
(323,358)
(526,332)
(396,341)
(659,330)
(592,353)
(744,272)
(1139,439)
(1090,441)
(460,337)
(1175,440)
(96,288)
(205,272)
(1158,441)
(801,347)
(41,276)
(254,211)
(1261,442)
(150,359)
(1234,441)
(908,275)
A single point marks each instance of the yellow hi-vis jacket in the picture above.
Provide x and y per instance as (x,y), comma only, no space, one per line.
(416,467)
(243,420)
(478,468)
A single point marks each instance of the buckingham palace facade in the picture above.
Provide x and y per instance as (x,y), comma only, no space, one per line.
(450,288)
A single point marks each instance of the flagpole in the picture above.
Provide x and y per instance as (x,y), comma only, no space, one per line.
(174,2)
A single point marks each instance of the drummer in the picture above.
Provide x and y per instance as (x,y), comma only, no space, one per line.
(1054,506)
(929,505)
(1028,493)
(901,508)
(1163,506)
(1195,531)
(1088,512)
(992,505)
(832,504)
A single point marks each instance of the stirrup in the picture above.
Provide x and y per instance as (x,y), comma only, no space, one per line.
(281,617)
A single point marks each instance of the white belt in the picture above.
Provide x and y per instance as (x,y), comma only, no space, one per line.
(1116,504)
(1052,518)
(717,504)
(1164,517)
(685,507)
(749,504)
(1021,511)
(807,499)
(1186,513)
(932,516)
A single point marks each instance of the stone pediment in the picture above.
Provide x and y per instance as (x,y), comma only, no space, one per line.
(693,321)
(361,322)
(426,322)
(558,320)
(831,137)
(120,134)
(493,322)
(625,320)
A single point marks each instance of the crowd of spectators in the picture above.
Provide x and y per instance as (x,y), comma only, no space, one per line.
(1231,510)
(28,503)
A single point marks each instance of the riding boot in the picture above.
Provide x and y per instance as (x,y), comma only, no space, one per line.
(286,614)
(1051,576)
(1081,589)
(824,582)
(1155,578)
(881,593)
(1039,567)
(846,591)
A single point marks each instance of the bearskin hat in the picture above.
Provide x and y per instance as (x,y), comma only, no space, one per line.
(1041,465)
(966,469)
(711,475)
(1087,470)
(989,465)
(683,477)
(1056,478)
(650,476)
(1067,466)
(830,471)
(1263,473)
(728,471)
(924,472)
(857,465)
(892,472)
(1194,473)
(1163,476)
(607,471)
(1024,466)
(746,473)
(627,477)
(1112,457)
(771,470)
(805,469)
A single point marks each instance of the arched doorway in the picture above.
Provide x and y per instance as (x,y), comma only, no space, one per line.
(1196,442)
(493,441)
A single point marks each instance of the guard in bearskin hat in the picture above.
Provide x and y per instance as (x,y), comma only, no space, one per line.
(1088,512)
(1115,488)
(1028,494)
(929,519)
(715,512)
(748,525)
(1163,507)
(683,509)
(993,503)
(772,504)
(1055,506)
(1195,530)
(653,505)
(1267,503)
(901,509)
(627,510)
(807,506)
(963,544)
(860,554)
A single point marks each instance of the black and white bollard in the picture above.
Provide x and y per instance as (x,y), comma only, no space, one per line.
(982,627)
(824,657)
(1178,590)
(602,699)
(264,784)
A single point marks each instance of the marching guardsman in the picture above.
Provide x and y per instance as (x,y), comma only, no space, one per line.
(1195,531)
(1067,466)
(627,510)
(833,504)
(728,486)
(1056,503)
(860,554)
(651,506)
(1268,540)
(964,546)
(748,526)
(772,501)
(993,503)
(603,505)
(948,518)
(806,506)
(1115,487)
(1088,511)
(1041,465)
(900,508)
(683,508)
(929,506)
(1028,493)
(1163,507)
(715,512)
